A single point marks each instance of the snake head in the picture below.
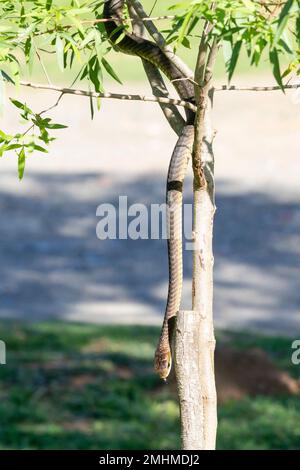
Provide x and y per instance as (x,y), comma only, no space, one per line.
(163,364)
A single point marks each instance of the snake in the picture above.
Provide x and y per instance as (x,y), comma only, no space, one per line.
(132,44)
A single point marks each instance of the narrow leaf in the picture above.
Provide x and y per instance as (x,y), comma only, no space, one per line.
(92,107)
(21,163)
(59,52)
(110,70)
(234,58)
(283,19)
(274,59)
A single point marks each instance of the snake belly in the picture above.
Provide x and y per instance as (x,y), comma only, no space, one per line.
(134,45)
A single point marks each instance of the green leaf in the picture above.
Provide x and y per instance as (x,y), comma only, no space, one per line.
(186,43)
(22,106)
(44,136)
(274,59)
(98,101)
(17,103)
(87,39)
(234,58)
(55,126)
(285,10)
(285,46)
(59,52)
(2,93)
(12,147)
(39,148)
(48,4)
(21,163)
(6,77)
(4,137)
(283,20)
(92,107)
(185,24)
(110,70)
(298,30)
(227,51)
(77,23)
(292,66)
(95,74)
(249,4)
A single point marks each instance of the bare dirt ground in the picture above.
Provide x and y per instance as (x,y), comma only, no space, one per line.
(53,265)
(241,374)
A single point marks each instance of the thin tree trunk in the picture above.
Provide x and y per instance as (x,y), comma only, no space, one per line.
(202,295)
(187,367)
(194,340)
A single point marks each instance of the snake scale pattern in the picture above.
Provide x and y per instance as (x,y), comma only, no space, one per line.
(132,44)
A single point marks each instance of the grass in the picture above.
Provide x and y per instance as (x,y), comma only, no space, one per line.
(77,386)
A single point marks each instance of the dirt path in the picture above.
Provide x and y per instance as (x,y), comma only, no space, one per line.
(52,264)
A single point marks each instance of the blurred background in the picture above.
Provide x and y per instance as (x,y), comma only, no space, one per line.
(80,316)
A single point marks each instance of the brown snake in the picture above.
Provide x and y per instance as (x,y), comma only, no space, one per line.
(131,44)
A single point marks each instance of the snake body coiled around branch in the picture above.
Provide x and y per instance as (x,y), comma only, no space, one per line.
(134,45)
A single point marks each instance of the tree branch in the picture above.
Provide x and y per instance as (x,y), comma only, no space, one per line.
(156,80)
(258,88)
(212,57)
(159,89)
(146,19)
(201,77)
(201,60)
(149,25)
(160,40)
(114,96)
(106,20)
(202,97)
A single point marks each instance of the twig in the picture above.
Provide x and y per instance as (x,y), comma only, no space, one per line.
(149,25)
(160,89)
(114,96)
(42,64)
(153,6)
(211,60)
(258,88)
(146,20)
(203,57)
(60,96)
(131,20)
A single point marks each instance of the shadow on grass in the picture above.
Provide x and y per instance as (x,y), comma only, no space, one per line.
(76,386)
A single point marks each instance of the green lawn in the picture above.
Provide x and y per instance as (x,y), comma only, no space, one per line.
(77,386)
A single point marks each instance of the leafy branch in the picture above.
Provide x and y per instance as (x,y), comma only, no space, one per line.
(25,143)
(73,31)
